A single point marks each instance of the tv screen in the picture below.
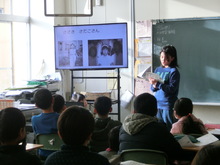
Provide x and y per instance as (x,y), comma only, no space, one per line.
(93,46)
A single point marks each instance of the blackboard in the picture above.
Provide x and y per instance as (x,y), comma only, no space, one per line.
(198,50)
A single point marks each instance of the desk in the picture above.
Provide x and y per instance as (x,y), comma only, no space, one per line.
(215,132)
(31,146)
(197,148)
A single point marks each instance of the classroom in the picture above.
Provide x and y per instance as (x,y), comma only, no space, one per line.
(28,39)
(40,62)
(42,53)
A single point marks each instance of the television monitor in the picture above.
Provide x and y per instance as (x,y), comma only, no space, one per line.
(93,46)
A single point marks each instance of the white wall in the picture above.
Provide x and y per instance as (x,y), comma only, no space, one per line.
(120,11)
(170,9)
(42,42)
(111,11)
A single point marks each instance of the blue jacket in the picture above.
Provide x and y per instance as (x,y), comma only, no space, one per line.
(45,123)
(166,94)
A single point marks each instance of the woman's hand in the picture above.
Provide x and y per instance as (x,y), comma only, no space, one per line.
(153,82)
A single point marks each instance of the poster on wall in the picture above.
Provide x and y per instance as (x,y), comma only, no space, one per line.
(143,47)
(143,28)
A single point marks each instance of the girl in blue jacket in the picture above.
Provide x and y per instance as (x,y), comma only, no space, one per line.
(166,93)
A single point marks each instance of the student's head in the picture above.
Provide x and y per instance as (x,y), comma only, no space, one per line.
(12,126)
(113,138)
(105,50)
(103,105)
(168,56)
(59,103)
(183,107)
(75,125)
(208,155)
(43,98)
(145,104)
(82,99)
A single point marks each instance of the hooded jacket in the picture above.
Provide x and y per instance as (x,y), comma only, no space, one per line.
(141,131)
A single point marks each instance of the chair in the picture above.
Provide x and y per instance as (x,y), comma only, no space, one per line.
(145,156)
(51,142)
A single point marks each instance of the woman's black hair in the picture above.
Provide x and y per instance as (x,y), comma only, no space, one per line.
(145,103)
(43,98)
(113,138)
(191,127)
(59,103)
(81,97)
(170,50)
(208,155)
(75,125)
(184,107)
(11,122)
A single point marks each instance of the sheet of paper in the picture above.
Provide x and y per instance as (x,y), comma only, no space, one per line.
(185,142)
(203,140)
(214,131)
(126,98)
(13,93)
(206,139)
(143,28)
(145,47)
(147,75)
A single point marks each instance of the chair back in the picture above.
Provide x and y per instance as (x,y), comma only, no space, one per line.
(145,156)
(51,142)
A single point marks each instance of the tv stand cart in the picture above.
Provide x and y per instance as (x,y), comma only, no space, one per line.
(118,101)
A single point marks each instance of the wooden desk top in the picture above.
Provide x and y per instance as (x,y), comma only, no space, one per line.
(193,148)
(31,146)
(197,148)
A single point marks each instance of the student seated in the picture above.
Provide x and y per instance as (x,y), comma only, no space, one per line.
(82,99)
(75,127)
(59,103)
(187,123)
(141,130)
(12,133)
(79,98)
(113,141)
(103,124)
(46,122)
(208,155)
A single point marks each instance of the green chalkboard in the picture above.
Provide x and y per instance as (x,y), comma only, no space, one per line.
(198,50)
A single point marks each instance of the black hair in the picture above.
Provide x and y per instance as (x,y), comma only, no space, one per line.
(113,138)
(184,107)
(106,47)
(81,97)
(145,103)
(43,98)
(11,122)
(170,50)
(75,125)
(117,47)
(59,103)
(93,51)
(208,155)
(103,105)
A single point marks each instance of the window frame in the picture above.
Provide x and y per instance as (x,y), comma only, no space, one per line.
(10,18)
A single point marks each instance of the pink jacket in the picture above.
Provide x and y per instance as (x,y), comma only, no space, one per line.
(178,126)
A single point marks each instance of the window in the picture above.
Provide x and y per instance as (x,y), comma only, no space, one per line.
(14,43)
